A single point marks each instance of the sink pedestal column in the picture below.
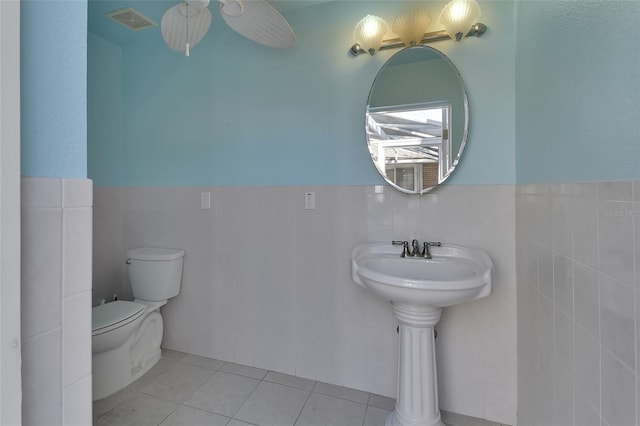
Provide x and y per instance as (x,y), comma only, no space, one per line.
(417,390)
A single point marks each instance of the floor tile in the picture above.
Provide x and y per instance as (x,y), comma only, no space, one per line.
(235,422)
(178,382)
(323,410)
(375,416)
(243,370)
(252,396)
(383,402)
(223,393)
(273,405)
(453,419)
(285,379)
(188,416)
(102,406)
(200,361)
(167,360)
(341,392)
(170,357)
(140,410)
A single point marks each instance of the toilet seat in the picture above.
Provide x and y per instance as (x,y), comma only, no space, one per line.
(112,315)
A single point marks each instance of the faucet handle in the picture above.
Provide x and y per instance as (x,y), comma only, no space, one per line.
(426,253)
(405,247)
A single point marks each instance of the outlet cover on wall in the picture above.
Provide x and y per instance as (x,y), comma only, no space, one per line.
(205,200)
(309,200)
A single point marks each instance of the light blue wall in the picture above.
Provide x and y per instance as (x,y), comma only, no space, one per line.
(237,113)
(104,111)
(578,91)
(53,87)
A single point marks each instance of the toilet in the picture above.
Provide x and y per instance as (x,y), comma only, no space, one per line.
(126,335)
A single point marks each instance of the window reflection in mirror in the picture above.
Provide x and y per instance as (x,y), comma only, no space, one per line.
(417,119)
(409,143)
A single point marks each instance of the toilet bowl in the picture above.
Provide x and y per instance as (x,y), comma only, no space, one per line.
(126,335)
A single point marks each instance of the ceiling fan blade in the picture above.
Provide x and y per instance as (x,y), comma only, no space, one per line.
(260,22)
(231,7)
(174,25)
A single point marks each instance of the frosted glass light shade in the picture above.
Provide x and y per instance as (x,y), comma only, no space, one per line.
(458,16)
(370,32)
(411,26)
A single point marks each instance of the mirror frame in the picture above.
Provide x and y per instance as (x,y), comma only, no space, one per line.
(465,133)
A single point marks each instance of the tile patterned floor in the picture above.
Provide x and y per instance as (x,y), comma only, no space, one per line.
(188,390)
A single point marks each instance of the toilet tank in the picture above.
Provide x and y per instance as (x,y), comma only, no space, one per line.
(155,273)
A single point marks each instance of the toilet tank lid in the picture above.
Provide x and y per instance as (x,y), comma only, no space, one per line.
(155,254)
(107,314)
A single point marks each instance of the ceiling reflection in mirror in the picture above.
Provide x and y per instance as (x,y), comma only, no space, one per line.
(417,119)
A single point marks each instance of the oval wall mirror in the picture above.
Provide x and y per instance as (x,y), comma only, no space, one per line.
(417,119)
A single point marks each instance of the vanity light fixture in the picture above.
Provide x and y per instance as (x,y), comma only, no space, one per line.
(457,17)
(370,32)
(411,26)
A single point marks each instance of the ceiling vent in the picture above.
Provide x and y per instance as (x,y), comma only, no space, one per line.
(131,19)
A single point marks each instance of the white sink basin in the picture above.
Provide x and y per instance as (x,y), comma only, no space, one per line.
(418,289)
(453,275)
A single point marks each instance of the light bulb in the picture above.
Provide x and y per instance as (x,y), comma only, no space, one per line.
(369,33)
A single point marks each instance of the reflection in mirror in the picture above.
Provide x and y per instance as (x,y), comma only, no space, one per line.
(417,119)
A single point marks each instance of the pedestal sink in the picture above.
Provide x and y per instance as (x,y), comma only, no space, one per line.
(418,289)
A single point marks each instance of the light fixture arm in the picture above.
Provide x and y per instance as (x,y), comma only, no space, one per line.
(477,30)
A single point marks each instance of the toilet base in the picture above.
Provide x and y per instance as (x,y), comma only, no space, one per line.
(116,369)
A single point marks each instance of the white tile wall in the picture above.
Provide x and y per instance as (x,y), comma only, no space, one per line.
(56,301)
(578,316)
(267,283)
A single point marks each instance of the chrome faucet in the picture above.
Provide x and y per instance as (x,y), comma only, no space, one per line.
(415,248)
(426,253)
(405,247)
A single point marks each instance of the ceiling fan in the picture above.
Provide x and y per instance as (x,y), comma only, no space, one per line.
(186,23)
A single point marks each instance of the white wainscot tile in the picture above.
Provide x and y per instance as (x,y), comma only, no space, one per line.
(563,342)
(587,367)
(585,224)
(563,284)
(77,248)
(615,234)
(585,414)
(493,207)
(562,399)
(500,365)
(617,319)
(585,290)
(500,405)
(41,270)
(541,227)
(77,193)
(561,222)
(40,192)
(76,403)
(636,226)
(41,382)
(465,397)
(638,333)
(379,211)
(615,191)
(76,338)
(618,392)
(545,271)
